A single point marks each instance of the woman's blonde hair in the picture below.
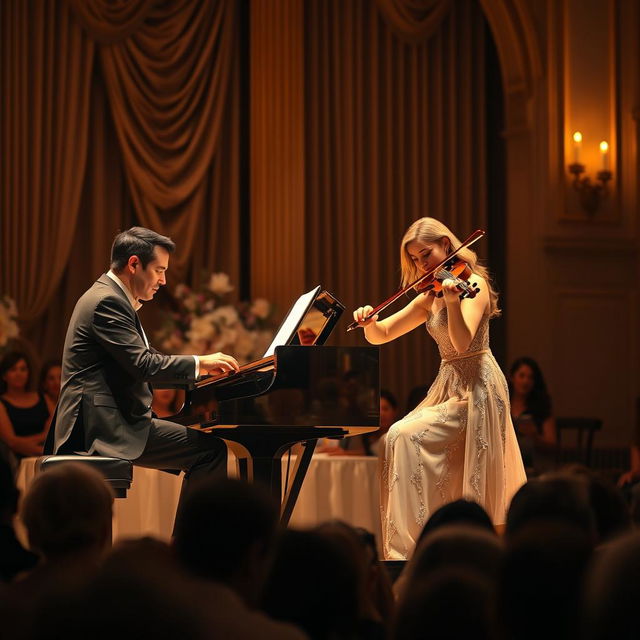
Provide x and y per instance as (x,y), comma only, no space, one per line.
(432,230)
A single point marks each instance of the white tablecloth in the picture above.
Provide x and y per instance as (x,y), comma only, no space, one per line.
(344,487)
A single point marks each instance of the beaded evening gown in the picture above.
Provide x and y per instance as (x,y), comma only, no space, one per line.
(459,442)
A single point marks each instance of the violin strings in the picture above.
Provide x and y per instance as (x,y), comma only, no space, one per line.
(444,274)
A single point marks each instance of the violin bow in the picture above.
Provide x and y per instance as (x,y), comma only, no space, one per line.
(474,237)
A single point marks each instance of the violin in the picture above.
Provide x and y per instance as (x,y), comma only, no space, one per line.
(456,270)
(449,269)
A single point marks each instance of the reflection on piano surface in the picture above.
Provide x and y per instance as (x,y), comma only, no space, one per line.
(301,391)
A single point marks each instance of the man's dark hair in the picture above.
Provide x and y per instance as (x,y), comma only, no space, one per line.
(140,242)
(554,498)
(217,523)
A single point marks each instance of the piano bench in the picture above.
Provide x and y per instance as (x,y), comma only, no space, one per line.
(117,472)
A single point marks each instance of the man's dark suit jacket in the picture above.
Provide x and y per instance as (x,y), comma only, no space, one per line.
(105,399)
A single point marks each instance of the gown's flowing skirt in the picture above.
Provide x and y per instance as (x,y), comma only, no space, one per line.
(458,443)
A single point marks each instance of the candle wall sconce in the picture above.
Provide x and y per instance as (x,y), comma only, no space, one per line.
(590,194)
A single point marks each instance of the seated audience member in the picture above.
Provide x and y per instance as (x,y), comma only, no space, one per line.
(610,510)
(225,534)
(67,512)
(554,498)
(458,512)
(542,578)
(379,586)
(531,414)
(612,591)
(138,592)
(448,603)
(416,396)
(314,583)
(14,558)
(388,415)
(463,546)
(368,444)
(375,594)
(49,386)
(24,414)
(164,403)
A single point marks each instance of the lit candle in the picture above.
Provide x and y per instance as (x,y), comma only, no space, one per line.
(577,143)
(604,155)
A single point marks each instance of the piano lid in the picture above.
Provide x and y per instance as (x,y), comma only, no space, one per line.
(310,320)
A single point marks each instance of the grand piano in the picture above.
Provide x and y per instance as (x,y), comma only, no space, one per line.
(300,391)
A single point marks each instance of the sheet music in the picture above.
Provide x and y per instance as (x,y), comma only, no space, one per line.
(292,321)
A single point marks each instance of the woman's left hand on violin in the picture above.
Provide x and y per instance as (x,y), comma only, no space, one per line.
(450,291)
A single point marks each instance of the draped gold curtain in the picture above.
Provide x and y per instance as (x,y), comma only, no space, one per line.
(47,61)
(414,20)
(167,86)
(114,114)
(394,131)
(364,116)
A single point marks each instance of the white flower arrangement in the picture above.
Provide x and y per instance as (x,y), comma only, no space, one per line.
(205,321)
(8,321)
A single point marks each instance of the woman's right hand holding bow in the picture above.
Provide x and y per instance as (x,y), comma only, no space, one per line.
(361,313)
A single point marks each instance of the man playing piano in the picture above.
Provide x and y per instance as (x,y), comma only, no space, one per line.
(105,400)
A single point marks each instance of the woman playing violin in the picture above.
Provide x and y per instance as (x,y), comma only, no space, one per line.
(459,441)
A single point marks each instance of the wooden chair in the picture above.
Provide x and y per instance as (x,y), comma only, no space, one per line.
(584,430)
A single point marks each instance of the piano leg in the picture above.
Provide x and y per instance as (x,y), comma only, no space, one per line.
(262,463)
(299,473)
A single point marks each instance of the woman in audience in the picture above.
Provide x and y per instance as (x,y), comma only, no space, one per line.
(24,414)
(531,413)
(415,397)
(369,443)
(164,402)
(49,386)
(388,415)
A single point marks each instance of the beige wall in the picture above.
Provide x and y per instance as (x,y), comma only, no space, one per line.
(573,300)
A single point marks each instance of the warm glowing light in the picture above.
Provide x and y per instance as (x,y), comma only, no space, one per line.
(577,143)
(604,155)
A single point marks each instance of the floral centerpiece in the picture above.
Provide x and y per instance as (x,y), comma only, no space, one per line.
(8,322)
(206,321)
